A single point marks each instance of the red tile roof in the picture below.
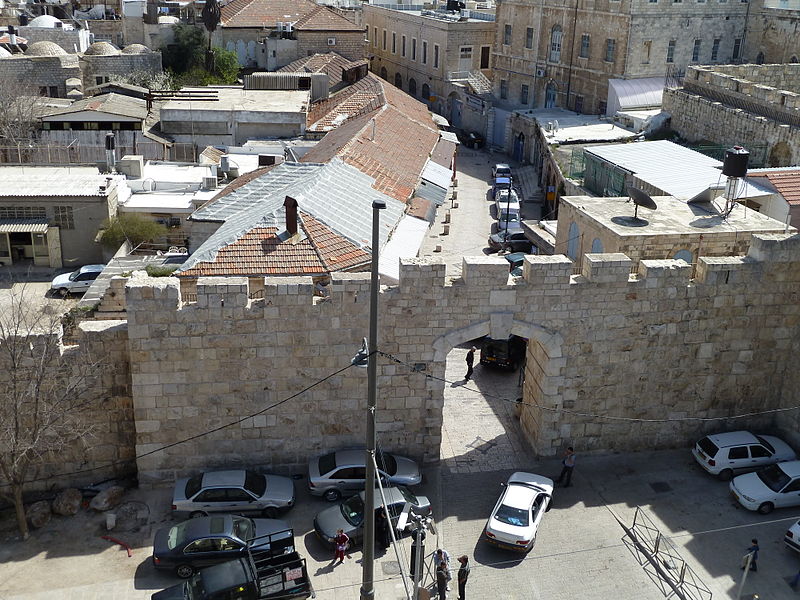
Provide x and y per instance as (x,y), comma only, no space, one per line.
(787,182)
(259,252)
(393,151)
(325,19)
(364,96)
(330,63)
(264,13)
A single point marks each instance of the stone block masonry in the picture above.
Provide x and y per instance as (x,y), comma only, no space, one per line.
(651,345)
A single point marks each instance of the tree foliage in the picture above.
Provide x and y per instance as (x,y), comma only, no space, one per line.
(132,227)
(20,109)
(147,79)
(185,59)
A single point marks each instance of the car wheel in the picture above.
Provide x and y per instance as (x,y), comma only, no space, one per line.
(63,292)
(184,571)
(196,514)
(725,474)
(332,495)
(270,512)
(765,508)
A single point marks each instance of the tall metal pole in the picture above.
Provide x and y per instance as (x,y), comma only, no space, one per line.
(368,560)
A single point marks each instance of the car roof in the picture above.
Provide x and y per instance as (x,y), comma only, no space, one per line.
(791,468)
(519,494)
(733,438)
(502,166)
(220,478)
(349,457)
(515,257)
(87,268)
(393,495)
(201,527)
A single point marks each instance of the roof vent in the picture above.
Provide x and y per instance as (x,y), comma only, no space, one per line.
(290,205)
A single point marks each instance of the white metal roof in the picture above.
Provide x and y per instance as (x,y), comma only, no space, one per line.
(50,181)
(23,225)
(674,169)
(437,174)
(405,243)
(644,92)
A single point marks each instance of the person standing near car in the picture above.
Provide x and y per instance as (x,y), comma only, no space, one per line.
(568,466)
(341,542)
(463,575)
(441,581)
(470,362)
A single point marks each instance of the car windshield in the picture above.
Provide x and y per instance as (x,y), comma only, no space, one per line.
(511,217)
(176,535)
(74,276)
(387,463)
(709,447)
(353,509)
(407,495)
(255,483)
(774,477)
(193,486)
(327,463)
(517,517)
(243,528)
(766,444)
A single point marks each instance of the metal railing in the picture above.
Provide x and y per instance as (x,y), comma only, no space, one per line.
(76,154)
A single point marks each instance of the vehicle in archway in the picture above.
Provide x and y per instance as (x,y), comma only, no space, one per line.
(505,354)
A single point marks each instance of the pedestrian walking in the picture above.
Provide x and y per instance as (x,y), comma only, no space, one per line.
(442,558)
(441,581)
(341,543)
(753,552)
(470,362)
(463,575)
(568,465)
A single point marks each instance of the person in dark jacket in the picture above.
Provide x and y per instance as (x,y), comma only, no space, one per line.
(383,536)
(470,362)
(463,575)
(441,580)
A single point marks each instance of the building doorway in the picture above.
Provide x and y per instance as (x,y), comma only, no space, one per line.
(551,95)
(519,147)
(456,108)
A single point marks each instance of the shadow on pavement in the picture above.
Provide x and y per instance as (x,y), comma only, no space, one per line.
(147,577)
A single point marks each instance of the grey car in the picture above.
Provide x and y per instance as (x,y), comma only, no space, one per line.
(349,515)
(344,472)
(234,492)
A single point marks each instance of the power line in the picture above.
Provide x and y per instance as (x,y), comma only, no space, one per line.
(587,414)
(188,439)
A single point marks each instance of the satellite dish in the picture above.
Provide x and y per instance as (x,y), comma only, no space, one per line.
(639,198)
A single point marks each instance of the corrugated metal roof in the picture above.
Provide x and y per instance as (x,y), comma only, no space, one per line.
(634,93)
(405,243)
(110,103)
(437,174)
(23,225)
(674,169)
(431,192)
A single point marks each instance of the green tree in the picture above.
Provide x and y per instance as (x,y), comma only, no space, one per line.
(186,51)
(132,227)
(186,61)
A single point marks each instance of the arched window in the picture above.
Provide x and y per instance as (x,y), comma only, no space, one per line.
(572,241)
(412,87)
(384,74)
(556,35)
(760,58)
(398,81)
(597,246)
(793,59)
(684,255)
(426,92)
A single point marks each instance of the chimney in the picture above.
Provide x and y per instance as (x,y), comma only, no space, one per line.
(290,205)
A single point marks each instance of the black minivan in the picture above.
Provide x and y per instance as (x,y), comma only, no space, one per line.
(506,354)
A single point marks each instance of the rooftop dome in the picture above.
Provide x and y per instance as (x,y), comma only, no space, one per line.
(136,49)
(101,49)
(47,21)
(45,48)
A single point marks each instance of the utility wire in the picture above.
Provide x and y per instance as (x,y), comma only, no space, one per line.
(413,369)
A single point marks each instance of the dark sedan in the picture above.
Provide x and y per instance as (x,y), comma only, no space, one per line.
(513,239)
(206,541)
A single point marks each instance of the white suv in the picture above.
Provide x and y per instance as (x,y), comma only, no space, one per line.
(724,454)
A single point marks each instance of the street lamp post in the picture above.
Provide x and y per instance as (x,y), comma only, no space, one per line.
(367,567)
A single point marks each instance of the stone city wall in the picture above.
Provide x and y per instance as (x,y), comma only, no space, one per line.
(40,71)
(349,44)
(94,66)
(648,345)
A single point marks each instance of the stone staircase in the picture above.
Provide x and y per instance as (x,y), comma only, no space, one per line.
(479,83)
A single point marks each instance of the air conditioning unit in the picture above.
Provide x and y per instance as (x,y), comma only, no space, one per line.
(541,72)
(332,41)
(210,183)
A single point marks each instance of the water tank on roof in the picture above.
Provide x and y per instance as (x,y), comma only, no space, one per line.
(735,163)
(225,163)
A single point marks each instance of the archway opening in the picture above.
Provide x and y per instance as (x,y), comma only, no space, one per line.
(412,87)
(398,81)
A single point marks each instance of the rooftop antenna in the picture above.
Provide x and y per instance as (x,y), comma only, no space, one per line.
(639,198)
(734,167)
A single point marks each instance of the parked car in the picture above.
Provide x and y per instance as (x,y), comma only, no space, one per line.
(471,139)
(725,454)
(234,492)
(506,354)
(76,282)
(251,578)
(344,471)
(775,486)
(499,184)
(349,514)
(792,537)
(516,516)
(507,199)
(513,239)
(197,543)
(501,170)
(508,219)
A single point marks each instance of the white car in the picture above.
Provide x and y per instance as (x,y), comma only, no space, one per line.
(775,486)
(792,537)
(76,282)
(725,454)
(507,199)
(517,514)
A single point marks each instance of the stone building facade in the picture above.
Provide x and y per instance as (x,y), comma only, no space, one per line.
(741,104)
(773,31)
(436,58)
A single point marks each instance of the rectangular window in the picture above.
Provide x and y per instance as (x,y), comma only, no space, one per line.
(715,49)
(384,39)
(555,44)
(529,37)
(485,53)
(403,46)
(413,48)
(507,35)
(465,52)
(647,45)
(523,94)
(737,48)
(611,48)
(671,51)
(22,212)
(584,46)
(503,89)
(424,52)
(696,50)
(375,36)
(436,56)
(394,43)
(62,217)
(653,1)
(54,90)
